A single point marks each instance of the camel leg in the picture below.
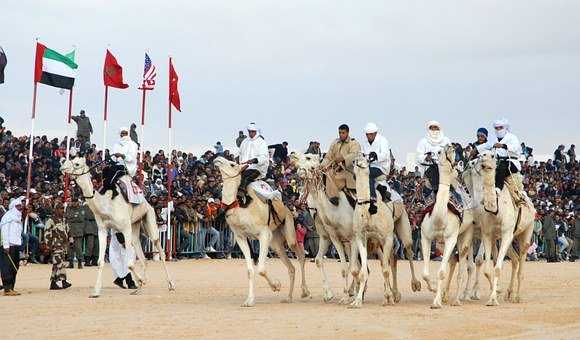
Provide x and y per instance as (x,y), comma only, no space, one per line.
(463,250)
(363,273)
(323,245)
(245,248)
(393,273)
(128,234)
(136,228)
(290,236)
(450,241)
(102,247)
(403,229)
(506,241)
(470,274)
(479,261)
(344,264)
(265,239)
(391,294)
(150,224)
(426,248)
(524,243)
(487,262)
(449,278)
(278,247)
(514,259)
(355,268)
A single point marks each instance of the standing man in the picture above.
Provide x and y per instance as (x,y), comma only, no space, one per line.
(84,127)
(75,219)
(339,159)
(133,134)
(378,150)
(240,139)
(11,232)
(576,239)
(56,235)
(255,158)
(550,235)
(119,257)
(91,237)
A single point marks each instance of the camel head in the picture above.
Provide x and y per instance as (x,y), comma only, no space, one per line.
(231,176)
(487,162)
(74,167)
(361,173)
(306,164)
(447,156)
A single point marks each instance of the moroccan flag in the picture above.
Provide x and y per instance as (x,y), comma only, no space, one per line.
(54,69)
(113,72)
(3,62)
(173,91)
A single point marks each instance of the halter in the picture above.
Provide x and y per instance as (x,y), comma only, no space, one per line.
(87,171)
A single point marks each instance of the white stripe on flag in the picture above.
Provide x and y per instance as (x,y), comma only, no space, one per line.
(56,67)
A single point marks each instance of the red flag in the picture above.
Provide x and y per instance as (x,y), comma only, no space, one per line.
(113,72)
(173,92)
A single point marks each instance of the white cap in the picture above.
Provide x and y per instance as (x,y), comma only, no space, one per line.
(371,128)
(210,200)
(123,129)
(252,127)
(433,123)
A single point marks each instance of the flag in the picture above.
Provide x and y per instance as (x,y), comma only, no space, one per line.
(3,62)
(149,74)
(54,69)
(173,91)
(113,72)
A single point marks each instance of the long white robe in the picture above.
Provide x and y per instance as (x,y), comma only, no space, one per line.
(119,257)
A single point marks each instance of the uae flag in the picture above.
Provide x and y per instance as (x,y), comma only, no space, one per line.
(53,68)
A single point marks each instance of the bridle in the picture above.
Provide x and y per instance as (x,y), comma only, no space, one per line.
(74,176)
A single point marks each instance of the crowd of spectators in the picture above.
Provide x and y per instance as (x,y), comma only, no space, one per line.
(196,188)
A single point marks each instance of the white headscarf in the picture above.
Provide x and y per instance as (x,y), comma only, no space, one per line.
(434,137)
(13,214)
(503,123)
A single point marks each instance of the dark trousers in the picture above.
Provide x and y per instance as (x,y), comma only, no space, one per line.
(432,174)
(373,174)
(92,245)
(111,174)
(248,176)
(8,262)
(550,249)
(503,170)
(76,248)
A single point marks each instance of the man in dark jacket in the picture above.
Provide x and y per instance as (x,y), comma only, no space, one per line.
(84,127)
(133,134)
(75,218)
(550,235)
(91,237)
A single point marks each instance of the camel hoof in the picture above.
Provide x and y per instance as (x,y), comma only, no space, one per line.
(356,304)
(327,296)
(518,299)
(171,286)
(248,303)
(136,291)
(346,300)
(475,296)
(416,285)
(445,298)
(286,300)
(492,302)
(397,297)
(387,301)
(94,296)
(306,293)
(276,286)
(456,303)
(436,305)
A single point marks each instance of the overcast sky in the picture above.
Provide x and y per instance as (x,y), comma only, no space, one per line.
(300,68)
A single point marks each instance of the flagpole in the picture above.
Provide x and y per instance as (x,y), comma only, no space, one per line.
(169,173)
(30,159)
(68,129)
(105,121)
(140,174)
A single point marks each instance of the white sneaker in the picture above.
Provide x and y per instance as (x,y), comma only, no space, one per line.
(211,250)
(206,257)
(229,257)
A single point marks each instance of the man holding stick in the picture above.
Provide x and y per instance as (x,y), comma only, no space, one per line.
(11,231)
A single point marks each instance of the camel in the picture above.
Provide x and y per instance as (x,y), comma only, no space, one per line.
(443,224)
(501,219)
(378,227)
(119,215)
(256,222)
(335,224)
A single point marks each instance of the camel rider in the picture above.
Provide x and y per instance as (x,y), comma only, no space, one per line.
(428,152)
(378,151)
(255,158)
(339,161)
(482,143)
(124,161)
(508,149)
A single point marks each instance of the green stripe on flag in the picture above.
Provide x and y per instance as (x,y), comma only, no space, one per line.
(51,54)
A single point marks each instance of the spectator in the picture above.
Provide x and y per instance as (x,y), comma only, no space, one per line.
(219,149)
(572,154)
(84,127)
(559,157)
(133,134)
(240,139)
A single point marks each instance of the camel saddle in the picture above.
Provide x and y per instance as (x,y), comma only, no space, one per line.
(130,191)
(451,206)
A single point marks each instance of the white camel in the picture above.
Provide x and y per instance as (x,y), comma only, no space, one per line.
(119,215)
(443,225)
(378,227)
(257,222)
(502,219)
(335,224)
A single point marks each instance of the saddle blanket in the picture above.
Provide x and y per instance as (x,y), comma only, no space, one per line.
(134,193)
(264,191)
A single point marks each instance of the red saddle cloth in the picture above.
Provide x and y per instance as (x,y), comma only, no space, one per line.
(429,209)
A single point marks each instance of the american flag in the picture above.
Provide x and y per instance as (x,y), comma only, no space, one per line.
(149,74)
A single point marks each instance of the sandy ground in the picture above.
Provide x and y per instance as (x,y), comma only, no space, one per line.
(207,302)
